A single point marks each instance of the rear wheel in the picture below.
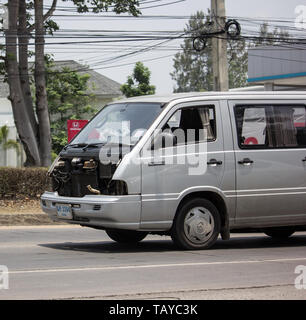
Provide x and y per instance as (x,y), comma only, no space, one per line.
(196,225)
(279,233)
(126,236)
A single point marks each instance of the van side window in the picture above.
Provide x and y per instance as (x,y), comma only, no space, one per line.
(193,120)
(271,126)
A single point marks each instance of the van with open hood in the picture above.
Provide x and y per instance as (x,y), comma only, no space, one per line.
(193,166)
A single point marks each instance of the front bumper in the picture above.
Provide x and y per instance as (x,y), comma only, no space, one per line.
(102,211)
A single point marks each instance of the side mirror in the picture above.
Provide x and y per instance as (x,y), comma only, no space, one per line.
(163,140)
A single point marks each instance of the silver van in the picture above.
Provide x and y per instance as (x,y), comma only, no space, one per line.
(193,166)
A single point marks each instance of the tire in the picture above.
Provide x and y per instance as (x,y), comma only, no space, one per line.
(197,225)
(126,236)
(279,233)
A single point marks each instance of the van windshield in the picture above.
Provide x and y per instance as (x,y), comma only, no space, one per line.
(122,123)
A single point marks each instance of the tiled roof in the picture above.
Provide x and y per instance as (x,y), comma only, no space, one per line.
(98,84)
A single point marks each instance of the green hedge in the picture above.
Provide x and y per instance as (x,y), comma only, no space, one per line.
(23,183)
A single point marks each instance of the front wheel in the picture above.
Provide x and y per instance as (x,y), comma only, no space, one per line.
(126,236)
(279,233)
(196,225)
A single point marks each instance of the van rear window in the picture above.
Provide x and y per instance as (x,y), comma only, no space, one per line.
(271,126)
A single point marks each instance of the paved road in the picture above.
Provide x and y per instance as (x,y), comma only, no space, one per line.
(74,262)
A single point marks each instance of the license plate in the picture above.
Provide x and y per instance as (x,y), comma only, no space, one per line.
(64,211)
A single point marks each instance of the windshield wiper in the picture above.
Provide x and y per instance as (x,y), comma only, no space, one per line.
(84,146)
(92,145)
(76,145)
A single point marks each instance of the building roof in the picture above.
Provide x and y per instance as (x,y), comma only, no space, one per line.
(280,65)
(98,84)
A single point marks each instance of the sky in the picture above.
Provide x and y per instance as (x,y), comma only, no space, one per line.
(159,56)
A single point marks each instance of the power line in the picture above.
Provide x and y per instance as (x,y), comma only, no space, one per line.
(86,69)
(140,42)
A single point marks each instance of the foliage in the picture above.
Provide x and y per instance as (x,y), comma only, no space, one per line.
(193,69)
(237,56)
(268,38)
(67,99)
(139,83)
(23,182)
(117,6)
(34,132)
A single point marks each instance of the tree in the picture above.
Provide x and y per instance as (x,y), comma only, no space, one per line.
(237,56)
(139,83)
(21,114)
(269,38)
(193,69)
(67,99)
(34,131)
(40,87)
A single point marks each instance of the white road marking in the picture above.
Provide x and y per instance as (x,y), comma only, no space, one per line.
(188,264)
(45,226)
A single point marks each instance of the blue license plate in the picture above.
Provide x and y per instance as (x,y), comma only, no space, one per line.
(64,211)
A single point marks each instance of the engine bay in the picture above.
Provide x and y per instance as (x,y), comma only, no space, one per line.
(80,176)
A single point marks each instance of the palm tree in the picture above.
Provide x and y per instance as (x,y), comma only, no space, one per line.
(6,143)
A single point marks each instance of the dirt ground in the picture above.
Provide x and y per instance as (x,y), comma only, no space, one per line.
(20,206)
(23,212)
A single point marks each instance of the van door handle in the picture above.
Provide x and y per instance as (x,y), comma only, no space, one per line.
(214,162)
(156,163)
(304,160)
(246,161)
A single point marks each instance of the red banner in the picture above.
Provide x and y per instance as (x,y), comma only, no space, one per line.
(74,127)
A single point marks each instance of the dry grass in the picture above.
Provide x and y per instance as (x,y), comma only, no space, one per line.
(25,212)
(20,206)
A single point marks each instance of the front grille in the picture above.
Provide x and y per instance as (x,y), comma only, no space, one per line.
(97,207)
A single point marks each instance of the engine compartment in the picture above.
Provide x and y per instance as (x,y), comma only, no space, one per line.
(80,176)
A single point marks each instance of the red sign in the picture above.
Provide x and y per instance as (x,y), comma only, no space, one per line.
(250,140)
(74,127)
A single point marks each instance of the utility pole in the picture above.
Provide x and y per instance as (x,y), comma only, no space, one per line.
(219,47)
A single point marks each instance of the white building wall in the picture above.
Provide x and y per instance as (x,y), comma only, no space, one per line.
(6,113)
(9,157)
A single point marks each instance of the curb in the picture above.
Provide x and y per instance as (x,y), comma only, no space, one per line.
(26,219)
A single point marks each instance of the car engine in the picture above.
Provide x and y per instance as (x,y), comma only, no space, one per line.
(78,176)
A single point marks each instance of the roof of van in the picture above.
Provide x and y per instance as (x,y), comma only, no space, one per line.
(223,94)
